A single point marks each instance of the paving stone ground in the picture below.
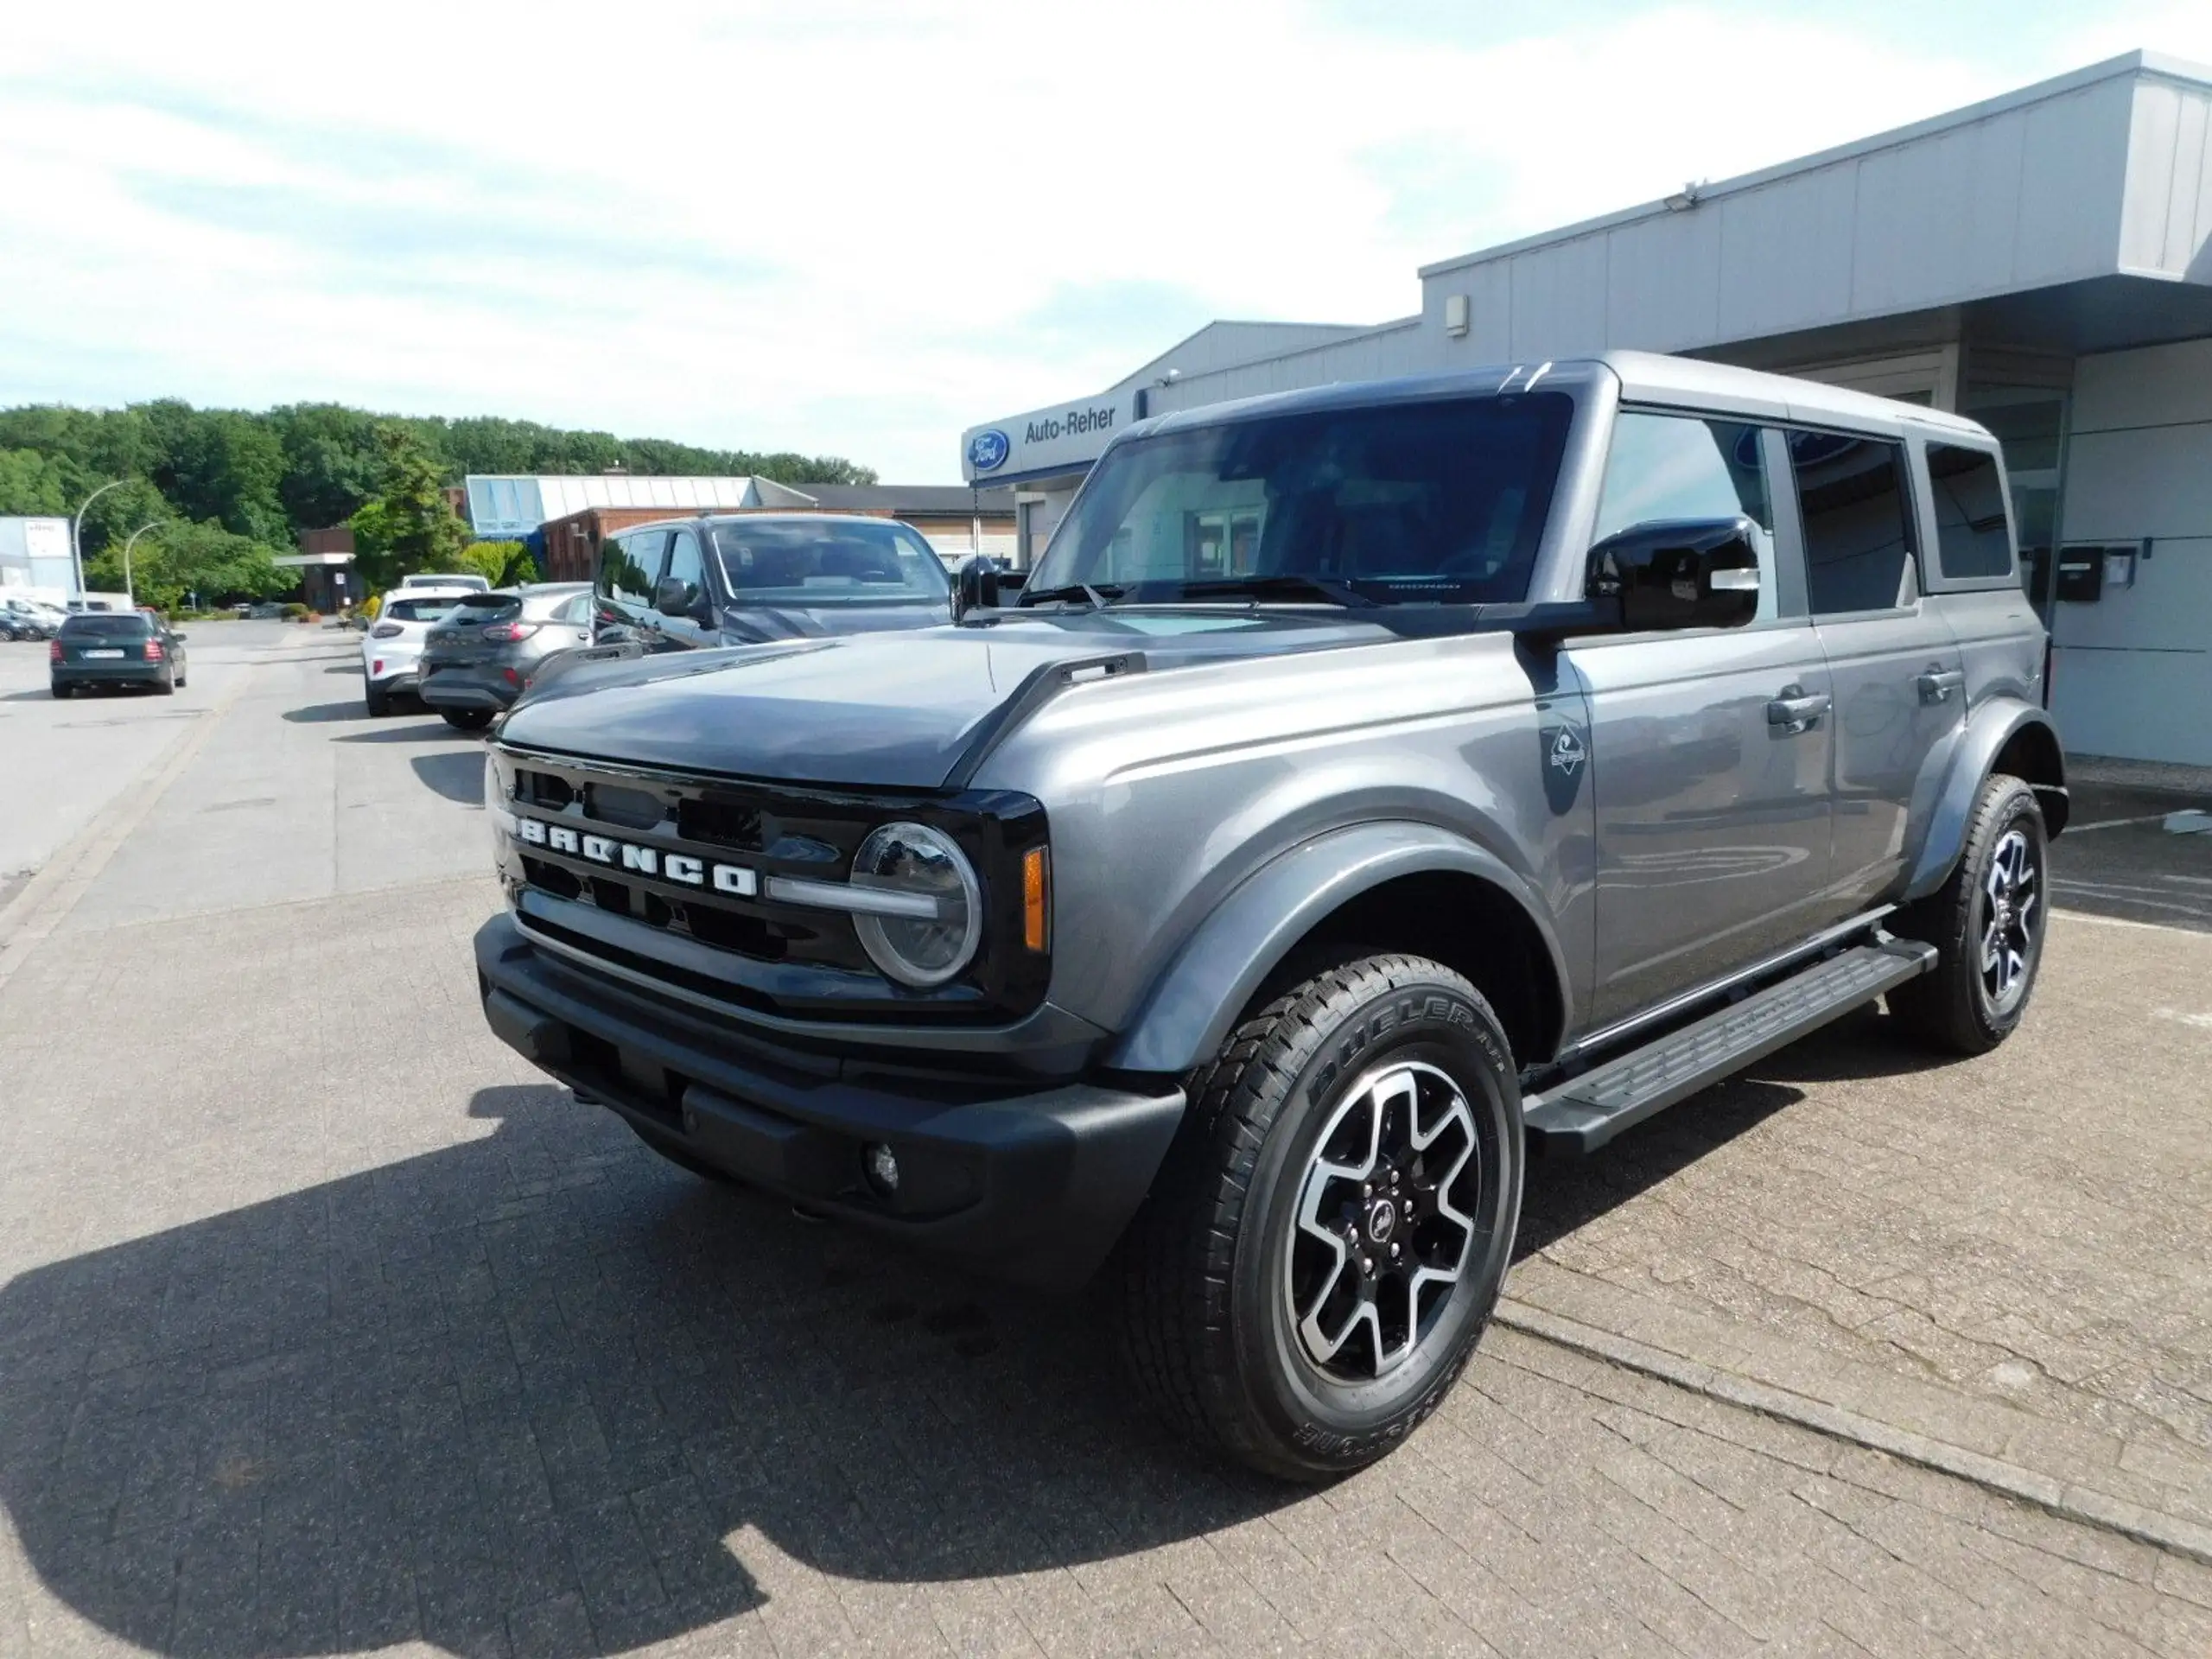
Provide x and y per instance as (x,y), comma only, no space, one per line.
(326,1327)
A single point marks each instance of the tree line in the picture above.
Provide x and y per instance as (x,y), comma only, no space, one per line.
(232,488)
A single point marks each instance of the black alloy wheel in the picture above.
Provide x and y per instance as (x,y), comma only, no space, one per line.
(1324,1242)
(1987,923)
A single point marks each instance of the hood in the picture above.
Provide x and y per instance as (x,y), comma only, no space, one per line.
(764,622)
(889,710)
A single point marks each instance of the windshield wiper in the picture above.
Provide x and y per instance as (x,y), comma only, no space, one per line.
(1278,587)
(1097,598)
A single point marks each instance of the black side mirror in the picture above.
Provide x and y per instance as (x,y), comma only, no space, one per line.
(675,597)
(976,585)
(1680,572)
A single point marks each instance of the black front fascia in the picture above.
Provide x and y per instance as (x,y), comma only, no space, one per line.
(758,951)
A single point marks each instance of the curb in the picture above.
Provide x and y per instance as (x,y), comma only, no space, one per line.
(2080,1504)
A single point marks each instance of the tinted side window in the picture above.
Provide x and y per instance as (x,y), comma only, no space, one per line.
(684,566)
(1857,523)
(626,565)
(1684,466)
(1971,538)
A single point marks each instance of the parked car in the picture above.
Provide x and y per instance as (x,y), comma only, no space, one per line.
(391,650)
(96,648)
(1565,738)
(445,580)
(484,653)
(740,579)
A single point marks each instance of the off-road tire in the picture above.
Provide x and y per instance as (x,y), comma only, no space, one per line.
(466,719)
(1206,1326)
(1951,1008)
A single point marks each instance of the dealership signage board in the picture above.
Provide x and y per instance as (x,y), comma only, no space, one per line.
(1066,437)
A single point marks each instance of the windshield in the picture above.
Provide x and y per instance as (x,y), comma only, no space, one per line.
(1392,504)
(417,610)
(831,561)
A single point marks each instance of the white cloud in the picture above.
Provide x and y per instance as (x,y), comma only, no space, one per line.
(843,228)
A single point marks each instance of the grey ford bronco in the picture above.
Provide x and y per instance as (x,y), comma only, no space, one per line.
(1370,786)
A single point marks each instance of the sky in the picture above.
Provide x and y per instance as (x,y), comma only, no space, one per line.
(853,228)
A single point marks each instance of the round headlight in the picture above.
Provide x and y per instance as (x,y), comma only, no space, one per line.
(912,859)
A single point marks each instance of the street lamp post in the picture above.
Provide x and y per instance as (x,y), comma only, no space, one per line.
(130,591)
(77,529)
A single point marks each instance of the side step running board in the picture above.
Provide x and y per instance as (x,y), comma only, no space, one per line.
(1582,1114)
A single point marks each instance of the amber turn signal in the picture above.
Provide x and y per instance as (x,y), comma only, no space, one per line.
(1036,898)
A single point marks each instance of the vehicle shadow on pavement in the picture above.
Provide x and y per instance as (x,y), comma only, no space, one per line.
(457,774)
(316,714)
(410,729)
(1565,1194)
(540,1388)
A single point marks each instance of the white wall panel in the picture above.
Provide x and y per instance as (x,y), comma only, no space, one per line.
(2154,481)
(2163,223)
(2135,705)
(2074,172)
(2169,608)
(1558,300)
(2156,387)
(1786,253)
(1662,282)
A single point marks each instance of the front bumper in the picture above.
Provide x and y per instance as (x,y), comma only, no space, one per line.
(1027,1183)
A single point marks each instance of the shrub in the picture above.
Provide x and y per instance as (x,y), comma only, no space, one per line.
(295,612)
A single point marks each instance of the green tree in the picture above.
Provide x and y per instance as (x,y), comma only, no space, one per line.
(204,559)
(221,464)
(407,525)
(504,564)
(33,484)
(333,463)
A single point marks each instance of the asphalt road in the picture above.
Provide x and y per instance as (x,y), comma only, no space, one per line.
(326,1327)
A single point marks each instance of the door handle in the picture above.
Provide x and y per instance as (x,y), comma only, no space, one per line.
(1796,711)
(1937,685)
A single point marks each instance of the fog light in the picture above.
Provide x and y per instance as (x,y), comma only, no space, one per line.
(882,1168)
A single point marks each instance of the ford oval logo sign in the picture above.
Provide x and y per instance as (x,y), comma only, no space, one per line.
(988,450)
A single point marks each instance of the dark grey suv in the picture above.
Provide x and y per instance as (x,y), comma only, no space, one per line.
(1547,743)
(484,653)
(740,578)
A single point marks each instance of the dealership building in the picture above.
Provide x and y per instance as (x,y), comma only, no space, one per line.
(2040,263)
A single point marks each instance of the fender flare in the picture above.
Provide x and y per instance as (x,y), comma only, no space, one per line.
(1186,1015)
(1974,752)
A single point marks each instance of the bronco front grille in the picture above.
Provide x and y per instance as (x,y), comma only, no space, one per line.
(764,953)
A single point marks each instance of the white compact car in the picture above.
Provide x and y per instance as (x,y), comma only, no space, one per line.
(391,650)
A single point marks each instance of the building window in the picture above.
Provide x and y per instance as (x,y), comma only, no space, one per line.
(1220,543)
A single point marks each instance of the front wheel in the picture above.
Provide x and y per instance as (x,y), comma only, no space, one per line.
(1331,1229)
(467,720)
(1987,924)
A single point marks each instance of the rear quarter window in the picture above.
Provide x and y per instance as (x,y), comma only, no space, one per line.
(1972,538)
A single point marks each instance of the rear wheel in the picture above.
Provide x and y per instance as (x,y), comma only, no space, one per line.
(61,691)
(377,700)
(1987,924)
(1329,1233)
(467,720)
(167,684)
